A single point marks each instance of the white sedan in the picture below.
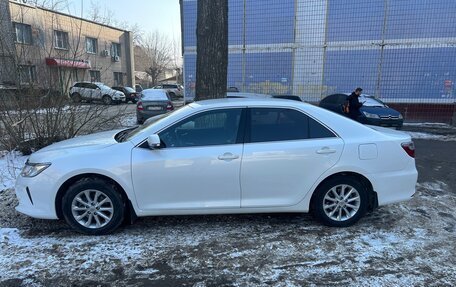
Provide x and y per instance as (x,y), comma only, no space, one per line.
(221,156)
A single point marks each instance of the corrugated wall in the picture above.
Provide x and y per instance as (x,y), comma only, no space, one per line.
(402,51)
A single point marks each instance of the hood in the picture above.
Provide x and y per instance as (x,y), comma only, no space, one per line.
(381,111)
(75,145)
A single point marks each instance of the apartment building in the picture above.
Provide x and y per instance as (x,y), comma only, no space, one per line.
(53,49)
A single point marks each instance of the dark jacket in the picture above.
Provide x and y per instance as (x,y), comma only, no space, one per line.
(354,105)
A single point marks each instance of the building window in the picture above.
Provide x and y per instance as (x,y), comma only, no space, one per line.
(115,50)
(23,33)
(91,45)
(95,76)
(27,74)
(61,40)
(118,79)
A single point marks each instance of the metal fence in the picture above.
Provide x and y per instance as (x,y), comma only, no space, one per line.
(402,51)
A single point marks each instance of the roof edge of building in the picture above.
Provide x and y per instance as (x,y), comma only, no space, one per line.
(68,15)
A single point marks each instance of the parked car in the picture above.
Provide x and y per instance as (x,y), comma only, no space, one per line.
(295,157)
(95,92)
(251,96)
(373,112)
(130,94)
(232,90)
(288,97)
(153,102)
(175,91)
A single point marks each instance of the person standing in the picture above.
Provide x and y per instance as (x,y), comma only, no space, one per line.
(354,105)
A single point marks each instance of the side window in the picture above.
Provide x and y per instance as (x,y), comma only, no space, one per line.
(318,131)
(330,99)
(273,124)
(219,127)
(341,99)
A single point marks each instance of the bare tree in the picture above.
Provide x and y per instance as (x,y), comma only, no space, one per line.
(157,51)
(212,49)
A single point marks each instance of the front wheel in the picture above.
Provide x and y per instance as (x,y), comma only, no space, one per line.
(76,98)
(106,100)
(340,201)
(93,206)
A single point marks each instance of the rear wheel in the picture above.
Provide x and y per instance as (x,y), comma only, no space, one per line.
(76,97)
(340,202)
(93,206)
(106,100)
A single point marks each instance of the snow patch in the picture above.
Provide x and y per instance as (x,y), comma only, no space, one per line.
(427,136)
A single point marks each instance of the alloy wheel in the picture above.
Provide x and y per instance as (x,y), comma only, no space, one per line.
(92,208)
(341,202)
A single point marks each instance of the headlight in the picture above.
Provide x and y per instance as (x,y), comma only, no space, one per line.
(372,116)
(400,117)
(33,169)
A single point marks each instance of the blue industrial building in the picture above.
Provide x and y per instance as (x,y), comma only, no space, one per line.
(402,51)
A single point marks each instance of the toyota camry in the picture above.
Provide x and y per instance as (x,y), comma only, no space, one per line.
(221,156)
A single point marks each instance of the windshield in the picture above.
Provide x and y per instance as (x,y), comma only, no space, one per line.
(103,86)
(130,90)
(371,102)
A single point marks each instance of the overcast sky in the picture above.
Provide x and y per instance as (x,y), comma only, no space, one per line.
(151,15)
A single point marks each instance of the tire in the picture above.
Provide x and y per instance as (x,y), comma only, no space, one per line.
(92,222)
(139,121)
(106,100)
(76,98)
(346,212)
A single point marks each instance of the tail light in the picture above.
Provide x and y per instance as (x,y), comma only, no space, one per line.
(170,107)
(139,106)
(409,148)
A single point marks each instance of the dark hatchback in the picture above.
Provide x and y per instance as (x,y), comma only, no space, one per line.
(130,94)
(373,112)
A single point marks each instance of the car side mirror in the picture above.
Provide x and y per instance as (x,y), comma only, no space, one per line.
(153,141)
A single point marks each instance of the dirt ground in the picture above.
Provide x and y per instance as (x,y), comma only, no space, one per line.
(407,244)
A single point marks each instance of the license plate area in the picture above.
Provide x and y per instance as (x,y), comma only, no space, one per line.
(154,108)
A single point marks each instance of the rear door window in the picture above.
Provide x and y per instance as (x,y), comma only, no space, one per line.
(281,124)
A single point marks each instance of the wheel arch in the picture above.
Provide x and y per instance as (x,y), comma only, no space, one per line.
(130,211)
(372,195)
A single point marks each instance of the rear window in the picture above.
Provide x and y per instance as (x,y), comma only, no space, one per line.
(154,95)
(170,86)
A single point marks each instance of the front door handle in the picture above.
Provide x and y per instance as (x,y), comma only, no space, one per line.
(326,150)
(228,156)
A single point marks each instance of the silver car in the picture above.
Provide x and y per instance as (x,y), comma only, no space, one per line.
(151,103)
(95,92)
(175,91)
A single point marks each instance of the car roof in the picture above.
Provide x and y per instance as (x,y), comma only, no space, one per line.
(245,102)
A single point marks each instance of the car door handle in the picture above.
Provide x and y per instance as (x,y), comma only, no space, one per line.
(228,156)
(326,150)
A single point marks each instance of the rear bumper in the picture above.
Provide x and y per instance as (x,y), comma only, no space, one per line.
(144,115)
(397,186)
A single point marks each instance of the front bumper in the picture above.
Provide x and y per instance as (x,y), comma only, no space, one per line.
(382,122)
(36,198)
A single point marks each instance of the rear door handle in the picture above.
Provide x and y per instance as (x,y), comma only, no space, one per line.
(228,156)
(326,150)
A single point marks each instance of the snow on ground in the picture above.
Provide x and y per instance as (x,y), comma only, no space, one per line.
(405,244)
(428,136)
(128,120)
(11,164)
